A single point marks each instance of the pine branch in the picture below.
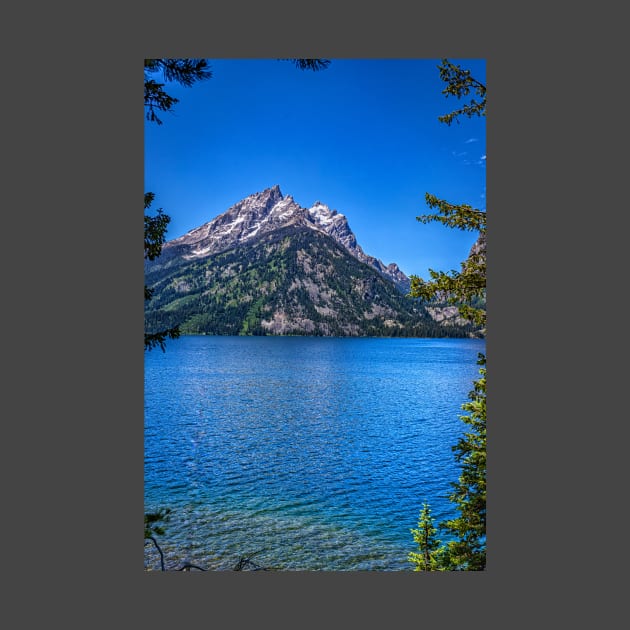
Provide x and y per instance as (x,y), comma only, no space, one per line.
(186,72)
(459,83)
(152,340)
(310,64)
(462,216)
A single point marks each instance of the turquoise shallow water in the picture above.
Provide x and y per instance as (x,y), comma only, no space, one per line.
(317,453)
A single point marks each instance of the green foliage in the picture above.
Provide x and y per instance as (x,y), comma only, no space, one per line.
(462,217)
(465,288)
(184,71)
(468,551)
(151,520)
(154,229)
(187,72)
(459,83)
(233,292)
(431,552)
(251,323)
(153,340)
(152,529)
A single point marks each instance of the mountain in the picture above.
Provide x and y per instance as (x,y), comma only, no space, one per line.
(269,266)
(265,212)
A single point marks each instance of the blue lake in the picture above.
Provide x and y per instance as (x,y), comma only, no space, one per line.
(315,452)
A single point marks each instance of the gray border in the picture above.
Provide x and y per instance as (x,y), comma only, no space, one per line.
(81,152)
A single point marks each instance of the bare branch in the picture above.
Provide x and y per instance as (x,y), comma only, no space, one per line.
(158,548)
(246,561)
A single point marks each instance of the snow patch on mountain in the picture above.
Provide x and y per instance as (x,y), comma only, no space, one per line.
(322,215)
(267,211)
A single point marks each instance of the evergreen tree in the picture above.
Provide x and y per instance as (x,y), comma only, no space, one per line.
(467,552)
(465,287)
(429,556)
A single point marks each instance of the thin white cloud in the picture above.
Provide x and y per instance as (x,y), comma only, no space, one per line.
(470,140)
(483,157)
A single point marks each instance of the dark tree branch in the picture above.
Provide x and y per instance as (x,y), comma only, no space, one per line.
(310,64)
(246,561)
(152,340)
(158,548)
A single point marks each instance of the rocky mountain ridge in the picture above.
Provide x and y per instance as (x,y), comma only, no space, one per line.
(268,266)
(291,281)
(264,212)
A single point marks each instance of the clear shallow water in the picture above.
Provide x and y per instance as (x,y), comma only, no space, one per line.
(316,452)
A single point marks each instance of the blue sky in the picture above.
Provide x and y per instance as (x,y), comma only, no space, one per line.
(361,136)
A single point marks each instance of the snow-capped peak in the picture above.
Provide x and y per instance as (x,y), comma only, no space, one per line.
(264,212)
(322,215)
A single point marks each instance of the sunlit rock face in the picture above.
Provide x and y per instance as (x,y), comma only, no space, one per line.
(267,211)
(270,266)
